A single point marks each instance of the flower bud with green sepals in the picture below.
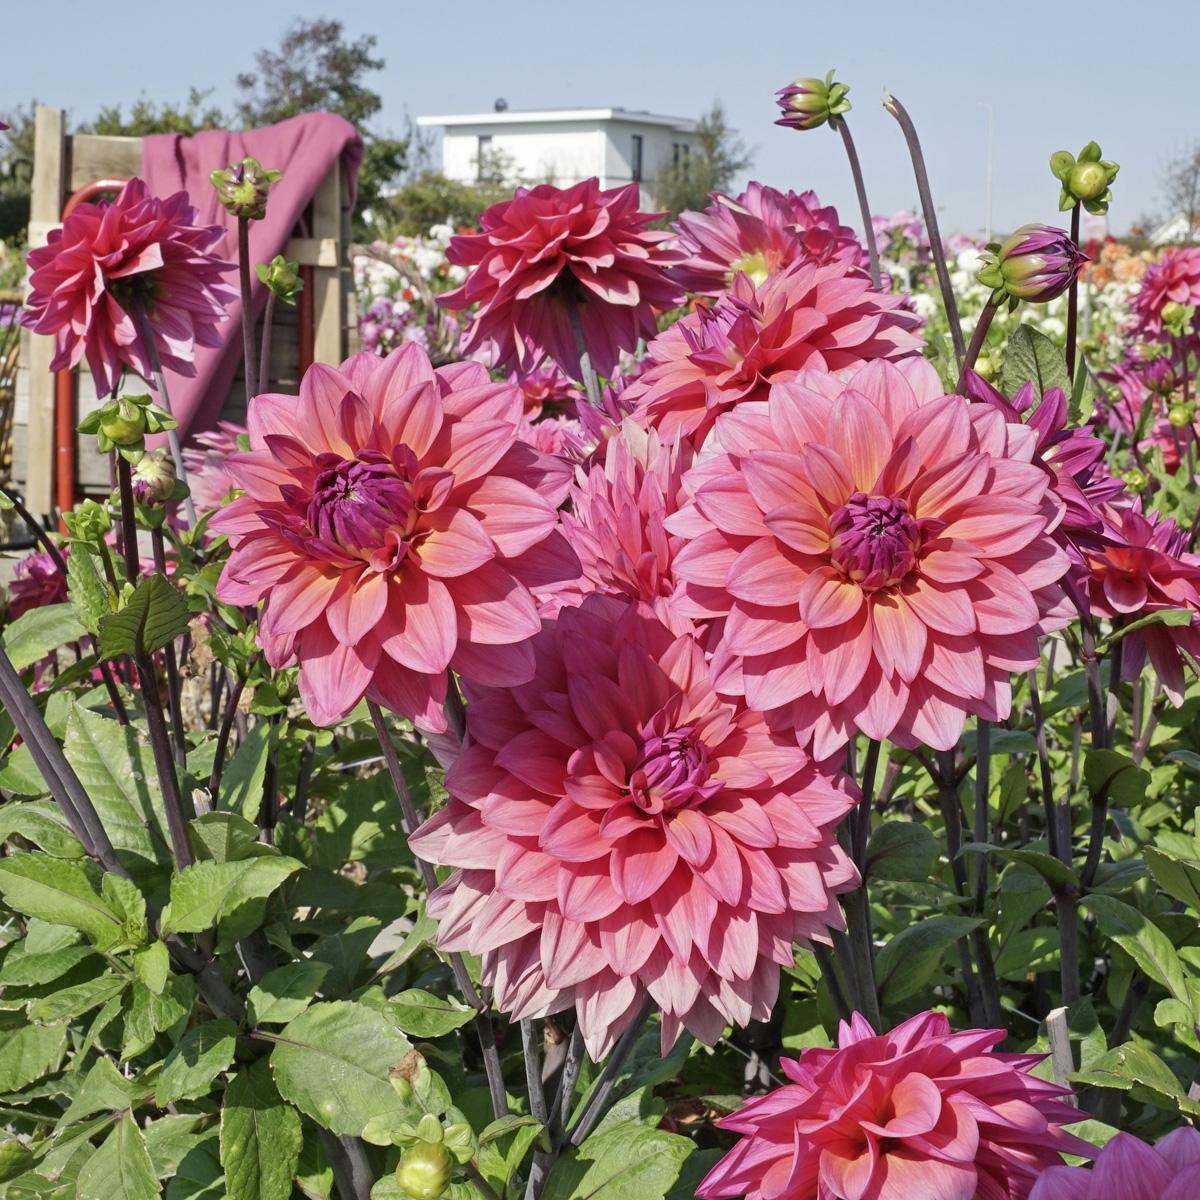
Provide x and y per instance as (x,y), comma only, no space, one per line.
(123,422)
(1037,263)
(1177,318)
(1135,480)
(1181,415)
(154,478)
(1085,179)
(808,103)
(88,521)
(282,277)
(424,1171)
(243,188)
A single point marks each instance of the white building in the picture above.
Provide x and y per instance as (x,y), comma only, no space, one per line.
(563,146)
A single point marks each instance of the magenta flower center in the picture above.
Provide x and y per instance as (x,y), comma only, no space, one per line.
(356,504)
(672,772)
(874,540)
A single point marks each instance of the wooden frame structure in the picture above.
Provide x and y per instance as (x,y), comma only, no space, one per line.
(63,164)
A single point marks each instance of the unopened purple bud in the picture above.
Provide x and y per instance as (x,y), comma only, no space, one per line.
(1037,263)
(808,103)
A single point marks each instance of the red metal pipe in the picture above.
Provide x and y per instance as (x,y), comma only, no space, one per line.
(64,380)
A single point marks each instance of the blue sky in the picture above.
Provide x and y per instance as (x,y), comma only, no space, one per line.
(1056,75)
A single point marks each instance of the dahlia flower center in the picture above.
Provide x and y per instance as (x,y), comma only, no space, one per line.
(757,265)
(358,503)
(874,540)
(672,772)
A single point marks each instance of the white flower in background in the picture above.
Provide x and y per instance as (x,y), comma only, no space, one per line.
(925,305)
(441,233)
(969,261)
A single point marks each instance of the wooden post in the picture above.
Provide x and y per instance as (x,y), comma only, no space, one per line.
(328,287)
(45,210)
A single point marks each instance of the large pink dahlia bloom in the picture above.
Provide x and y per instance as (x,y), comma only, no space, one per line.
(921,1113)
(1128,1169)
(880,552)
(758,233)
(206,461)
(550,250)
(393,526)
(620,830)
(825,317)
(87,277)
(1173,279)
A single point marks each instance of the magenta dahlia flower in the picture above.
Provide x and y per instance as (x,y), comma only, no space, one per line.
(619,829)
(1142,568)
(921,1113)
(393,526)
(546,388)
(1173,279)
(758,234)
(549,252)
(808,316)
(36,582)
(1128,1169)
(881,553)
(105,257)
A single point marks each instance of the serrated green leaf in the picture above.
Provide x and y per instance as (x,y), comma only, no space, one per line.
(422,1014)
(198,1176)
(121,1169)
(156,613)
(225,837)
(199,1057)
(906,964)
(628,1162)
(260,1137)
(283,994)
(103,1088)
(34,634)
(21,968)
(91,597)
(1032,356)
(76,1000)
(1130,1066)
(152,966)
(41,823)
(149,1015)
(242,779)
(20,775)
(29,1052)
(59,891)
(332,1063)
(207,892)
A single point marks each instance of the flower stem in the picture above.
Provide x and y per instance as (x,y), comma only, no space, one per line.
(214,779)
(247,308)
(930,215)
(264,360)
(410,821)
(977,339)
(164,762)
(591,385)
(173,688)
(594,1109)
(952,820)
(164,401)
(129,546)
(860,188)
(1073,301)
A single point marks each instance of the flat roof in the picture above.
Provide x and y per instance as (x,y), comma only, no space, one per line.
(548,115)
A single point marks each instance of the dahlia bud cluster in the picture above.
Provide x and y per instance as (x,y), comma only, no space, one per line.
(122,424)
(1085,180)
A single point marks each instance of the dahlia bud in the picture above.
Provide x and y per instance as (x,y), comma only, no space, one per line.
(123,422)
(424,1171)
(807,103)
(282,277)
(243,188)
(1085,180)
(154,478)
(1135,480)
(88,521)
(1037,263)
(1177,318)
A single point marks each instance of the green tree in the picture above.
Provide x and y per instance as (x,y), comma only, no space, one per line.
(147,116)
(717,158)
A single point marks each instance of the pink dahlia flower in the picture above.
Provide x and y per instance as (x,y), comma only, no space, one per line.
(36,582)
(881,552)
(1173,279)
(549,251)
(620,830)
(808,316)
(87,277)
(393,526)
(1142,568)
(758,234)
(206,461)
(563,436)
(546,388)
(1128,1169)
(921,1113)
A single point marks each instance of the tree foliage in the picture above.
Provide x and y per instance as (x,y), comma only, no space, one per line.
(719,156)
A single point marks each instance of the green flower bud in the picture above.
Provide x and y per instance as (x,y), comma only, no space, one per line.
(1177,318)
(1179,415)
(429,1129)
(243,188)
(1135,480)
(808,103)
(282,277)
(424,1171)
(460,1141)
(88,521)
(1085,179)
(123,422)
(1088,180)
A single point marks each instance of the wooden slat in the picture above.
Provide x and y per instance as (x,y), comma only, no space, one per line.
(328,299)
(313,252)
(49,183)
(93,157)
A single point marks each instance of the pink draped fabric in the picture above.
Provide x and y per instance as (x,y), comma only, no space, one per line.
(303,148)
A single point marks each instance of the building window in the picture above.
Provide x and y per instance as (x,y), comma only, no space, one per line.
(636,159)
(681,154)
(483,158)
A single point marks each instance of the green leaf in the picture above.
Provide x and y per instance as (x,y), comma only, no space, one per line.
(504,1126)
(74,1001)
(1178,877)
(242,779)
(332,1063)
(1031,355)
(1133,1067)
(104,1088)
(1114,776)
(149,1015)
(116,768)
(91,597)
(207,892)
(152,966)
(20,968)
(260,1138)
(58,891)
(1061,162)
(225,837)
(1056,873)
(199,1174)
(424,1015)
(1143,941)
(34,634)
(626,1162)
(121,1169)
(282,995)
(28,1053)
(41,823)
(903,851)
(21,776)
(907,963)
(198,1058)
(156,613)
